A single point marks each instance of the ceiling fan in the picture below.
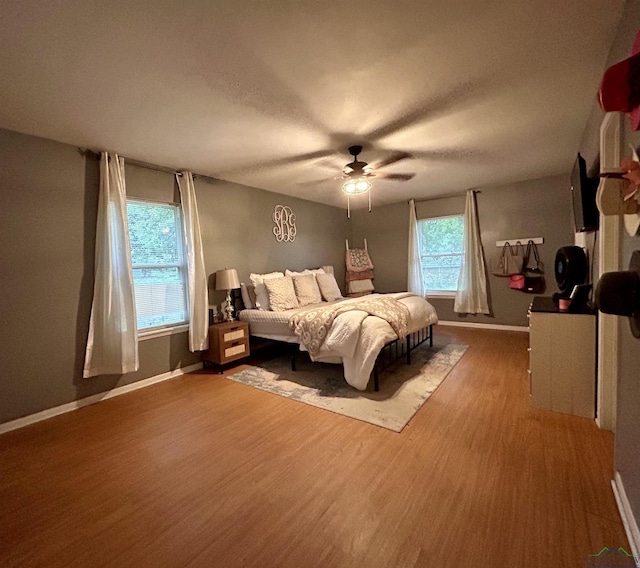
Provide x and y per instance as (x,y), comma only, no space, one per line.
(363,169)
(356,173)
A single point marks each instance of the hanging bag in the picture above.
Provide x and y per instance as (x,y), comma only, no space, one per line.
(534,282)
(517,282)
(510,261)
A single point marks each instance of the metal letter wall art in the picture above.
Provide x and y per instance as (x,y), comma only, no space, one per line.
(285,220)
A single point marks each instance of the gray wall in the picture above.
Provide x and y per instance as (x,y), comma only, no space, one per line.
(537,208)
(627,440)
(385,229)
(236,224)
(48,204)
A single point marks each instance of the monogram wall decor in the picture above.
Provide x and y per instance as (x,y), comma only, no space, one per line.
(285,220)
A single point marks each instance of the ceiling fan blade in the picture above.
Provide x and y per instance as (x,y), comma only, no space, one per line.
(397,177)
(313,182)
(396,157)
(316,157)
(451,154)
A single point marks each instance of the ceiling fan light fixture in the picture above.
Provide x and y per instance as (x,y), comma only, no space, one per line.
(356,186)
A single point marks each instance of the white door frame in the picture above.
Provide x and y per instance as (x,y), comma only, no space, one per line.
(608,328)
(609,255)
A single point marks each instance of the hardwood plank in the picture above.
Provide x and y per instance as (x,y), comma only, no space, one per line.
(202,471)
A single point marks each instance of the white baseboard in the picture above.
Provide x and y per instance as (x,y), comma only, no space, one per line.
(51,412)
(626,513)
(495,326)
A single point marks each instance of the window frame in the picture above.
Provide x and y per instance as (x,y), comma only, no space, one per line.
(178,327)
(439,293)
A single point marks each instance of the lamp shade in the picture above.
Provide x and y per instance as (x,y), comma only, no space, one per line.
(227,279)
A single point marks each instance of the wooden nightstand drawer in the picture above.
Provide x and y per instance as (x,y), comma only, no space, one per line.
(228,341)
(233,335)
(236,350)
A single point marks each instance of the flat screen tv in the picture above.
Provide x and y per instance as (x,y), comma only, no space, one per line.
(583,198)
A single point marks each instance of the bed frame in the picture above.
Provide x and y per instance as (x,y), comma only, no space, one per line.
(390,353)
(397,348)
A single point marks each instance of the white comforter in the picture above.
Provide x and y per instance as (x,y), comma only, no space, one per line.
(356,338)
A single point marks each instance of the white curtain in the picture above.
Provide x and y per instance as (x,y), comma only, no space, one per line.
(197,277)
(415,282)
(112,346)
(471,297)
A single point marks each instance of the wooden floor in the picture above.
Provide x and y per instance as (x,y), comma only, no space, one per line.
(202,471)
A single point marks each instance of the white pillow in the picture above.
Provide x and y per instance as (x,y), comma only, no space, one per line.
(307,290)
(262,297)
(246,298)
(328,287)
(282,295)
(288,272)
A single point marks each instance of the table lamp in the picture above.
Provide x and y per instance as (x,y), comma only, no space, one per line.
(227,279)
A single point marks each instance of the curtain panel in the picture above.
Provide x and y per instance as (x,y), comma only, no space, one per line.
(415,282)
(196,274)
(112,345)
(471,297)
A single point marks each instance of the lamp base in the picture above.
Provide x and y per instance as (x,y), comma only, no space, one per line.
(228,308)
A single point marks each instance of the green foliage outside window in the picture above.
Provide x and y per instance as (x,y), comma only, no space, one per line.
(442,235)
(157,259)
(442,241)
(152,233)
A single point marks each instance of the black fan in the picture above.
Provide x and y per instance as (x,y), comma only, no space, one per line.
(358,169)
(570,268)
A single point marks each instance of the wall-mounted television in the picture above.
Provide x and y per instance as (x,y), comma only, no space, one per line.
(583,198)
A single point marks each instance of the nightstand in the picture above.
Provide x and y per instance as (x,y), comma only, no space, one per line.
(228,341)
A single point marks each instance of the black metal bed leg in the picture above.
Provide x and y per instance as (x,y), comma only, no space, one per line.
(412,340)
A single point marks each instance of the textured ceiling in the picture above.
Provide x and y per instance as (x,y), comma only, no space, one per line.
(271,93)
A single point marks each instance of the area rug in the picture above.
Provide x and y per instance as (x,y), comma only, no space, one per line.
(403,388)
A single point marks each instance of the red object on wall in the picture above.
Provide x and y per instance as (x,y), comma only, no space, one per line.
(620,87)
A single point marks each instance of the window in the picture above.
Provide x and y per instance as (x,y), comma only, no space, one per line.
(158,262)
(441,256)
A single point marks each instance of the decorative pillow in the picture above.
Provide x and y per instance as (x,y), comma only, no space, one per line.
(262,296)
(247,300)
(252,294)
(328,287)
(282,294)
(307,290)
(328,269)
(288,272)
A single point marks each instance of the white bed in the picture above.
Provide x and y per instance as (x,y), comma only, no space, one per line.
(355,339)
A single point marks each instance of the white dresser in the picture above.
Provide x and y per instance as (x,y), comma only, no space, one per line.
(562,359)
